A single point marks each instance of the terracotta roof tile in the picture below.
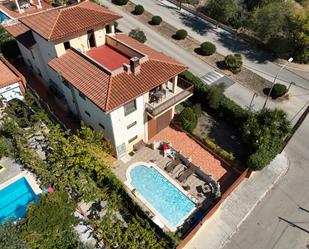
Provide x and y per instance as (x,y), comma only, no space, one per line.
(7,76)
(16,29)
(22,34)
(59,23)
(112,91)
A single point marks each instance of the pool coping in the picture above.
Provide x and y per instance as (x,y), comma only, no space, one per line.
(30,179)
(166,223)
(11,18)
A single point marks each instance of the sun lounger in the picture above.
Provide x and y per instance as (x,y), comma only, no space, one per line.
(172,165)
(185,174)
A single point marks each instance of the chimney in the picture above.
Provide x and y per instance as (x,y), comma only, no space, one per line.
(135,65)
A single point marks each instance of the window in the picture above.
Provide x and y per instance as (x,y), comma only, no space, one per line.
(66,83)
(102,126)
(132,139)
(83,96)
(108,29)
(87,113)
(130,107)
(131,125)
(67,45)
(91,40)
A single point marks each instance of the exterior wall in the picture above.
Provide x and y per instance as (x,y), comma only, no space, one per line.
(120,122)
(10,92)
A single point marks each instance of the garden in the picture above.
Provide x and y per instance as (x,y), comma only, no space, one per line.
(254,138)
(78,166)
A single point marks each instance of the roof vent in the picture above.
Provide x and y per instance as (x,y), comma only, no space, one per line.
(126,68)
(135,65)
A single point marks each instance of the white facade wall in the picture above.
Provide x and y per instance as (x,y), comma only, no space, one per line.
(120,122)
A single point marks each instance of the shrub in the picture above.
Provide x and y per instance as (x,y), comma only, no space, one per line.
(120,2)
(227,155)
(197,109)
(156,20)
(208,48)
(139,9)
(181,34)
(278,91)
(233,63)
(138,35)
(211,144)
(188,119)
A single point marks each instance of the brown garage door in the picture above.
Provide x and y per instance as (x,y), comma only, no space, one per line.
(155,125)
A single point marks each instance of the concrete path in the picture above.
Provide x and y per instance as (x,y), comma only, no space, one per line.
(257,61)
(235,209)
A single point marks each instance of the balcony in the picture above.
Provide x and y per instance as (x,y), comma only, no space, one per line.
(166,98)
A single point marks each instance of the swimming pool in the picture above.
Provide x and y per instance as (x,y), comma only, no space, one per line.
(3,17)
(15,198)
(167,200)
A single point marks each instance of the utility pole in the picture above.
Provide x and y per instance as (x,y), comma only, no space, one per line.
(295,127)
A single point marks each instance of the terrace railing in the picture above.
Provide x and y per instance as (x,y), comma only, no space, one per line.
(187,90)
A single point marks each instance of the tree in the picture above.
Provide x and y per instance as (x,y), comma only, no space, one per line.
(222,10)
(188,119)
(49,224)
(214,97)
(262,127)
(10,237)
(208,48)
(181,34)
(138,35)
(156,20)
(138,10)
(270,20)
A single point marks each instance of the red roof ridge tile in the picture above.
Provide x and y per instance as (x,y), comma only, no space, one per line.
(108,93)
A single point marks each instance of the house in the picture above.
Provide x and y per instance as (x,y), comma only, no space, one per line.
(12,83)
(112,82)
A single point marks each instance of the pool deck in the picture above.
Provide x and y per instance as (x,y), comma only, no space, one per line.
(13,172)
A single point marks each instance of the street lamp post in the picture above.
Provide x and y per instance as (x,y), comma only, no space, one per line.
(274,82)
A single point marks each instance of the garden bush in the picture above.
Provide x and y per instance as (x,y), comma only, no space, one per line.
(188,119)
(156,20)
(207,48)
(278,91)
(120,2)
(138,35)
(197,109)
(211,144)
(138,10)
(233,63)
(181,34)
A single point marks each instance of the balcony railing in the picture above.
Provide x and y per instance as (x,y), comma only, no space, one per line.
(186,91)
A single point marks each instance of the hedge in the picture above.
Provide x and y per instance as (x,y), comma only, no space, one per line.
(156,20)
(181,34)
(139,9)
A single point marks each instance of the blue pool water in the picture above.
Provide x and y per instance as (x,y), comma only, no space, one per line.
(171,203)
(3,17)
(14,200)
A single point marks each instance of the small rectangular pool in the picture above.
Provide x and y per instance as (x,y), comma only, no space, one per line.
(14,200)
(3,17)
(167,200)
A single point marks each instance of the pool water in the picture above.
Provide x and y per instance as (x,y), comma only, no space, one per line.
(3,17)
(164,197)
(14,200)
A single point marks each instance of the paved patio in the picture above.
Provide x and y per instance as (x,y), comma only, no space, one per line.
(200,157)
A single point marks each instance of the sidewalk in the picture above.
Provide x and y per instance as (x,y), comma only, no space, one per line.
(215,233)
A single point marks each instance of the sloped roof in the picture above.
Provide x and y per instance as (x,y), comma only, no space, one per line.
(7,76)
(58,23)
(22,34)
(109,92)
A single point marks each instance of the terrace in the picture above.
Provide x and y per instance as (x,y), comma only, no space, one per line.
(168,95)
